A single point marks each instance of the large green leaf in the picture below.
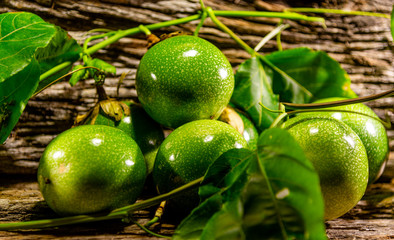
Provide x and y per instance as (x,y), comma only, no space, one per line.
(14,94)
(315,71)
(273,192)
(252,86)
(28,47)
(62,48)
(21,34)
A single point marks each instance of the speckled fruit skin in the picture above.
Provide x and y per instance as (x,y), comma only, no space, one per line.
(250,132)
(141,127)
(371,132)
(187,152)
(90,169)
(338,156)
(184,78)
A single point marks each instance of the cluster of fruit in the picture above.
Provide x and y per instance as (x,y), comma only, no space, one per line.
(184,83)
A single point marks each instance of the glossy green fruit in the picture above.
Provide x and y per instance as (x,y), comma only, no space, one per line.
(141,127)
(187,152)
(338,156)
(371,132)
(89,169)
(184,78)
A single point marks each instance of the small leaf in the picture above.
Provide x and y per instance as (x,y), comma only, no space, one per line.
(100,64)
(14,94)
(252,86)
(315,71)
(78,75)
(20,37)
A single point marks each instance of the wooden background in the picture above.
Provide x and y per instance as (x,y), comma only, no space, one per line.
(361,44)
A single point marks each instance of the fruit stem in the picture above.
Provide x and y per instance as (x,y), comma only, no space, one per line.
(102,95)
(270,35)
(282,15)
(120,213)
(224,28)
(145,30)
(295,106)
(149,231)
(384,123)
(58,79)
(278,38)
(204,15)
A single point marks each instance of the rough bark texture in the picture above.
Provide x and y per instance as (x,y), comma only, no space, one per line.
(361,44)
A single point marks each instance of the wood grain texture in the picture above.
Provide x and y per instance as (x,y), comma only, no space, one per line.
(363,45)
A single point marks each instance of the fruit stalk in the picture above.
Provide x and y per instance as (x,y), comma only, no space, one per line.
(120,213)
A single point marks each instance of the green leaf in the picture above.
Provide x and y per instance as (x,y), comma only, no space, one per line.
(100,64)
(14,94)
(315,71)
(62,48)
(78,75)
(21,34)
(273,192)
(289,89)
(252,86)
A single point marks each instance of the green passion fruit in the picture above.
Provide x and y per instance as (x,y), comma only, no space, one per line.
(371,132)
(182,79)
(89,169)
(186,154)
(338,156)
(140,126)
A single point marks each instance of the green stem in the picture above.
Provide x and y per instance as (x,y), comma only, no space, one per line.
(123,33)
(384,123)
(54,70)
(98,36)
(204,15)
(282,15)
(202,4)
(337,11)
(119,213)
(158,199)
(270,35)
(145,30)
(295,106)
(58,79)
(278,38)
(150,232)
(224,28)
